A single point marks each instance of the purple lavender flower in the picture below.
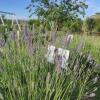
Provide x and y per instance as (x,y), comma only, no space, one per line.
(27,36)
(28,39)
(14,36)
(67,40)
(80,46)
(32,50)
(2,42)
(26,33)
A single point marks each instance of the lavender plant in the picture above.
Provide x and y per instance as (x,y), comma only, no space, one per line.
(32,78)
(28,40)
(14,36)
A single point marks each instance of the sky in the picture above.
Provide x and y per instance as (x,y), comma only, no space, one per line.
(93,7)
(18,7)
(15,6)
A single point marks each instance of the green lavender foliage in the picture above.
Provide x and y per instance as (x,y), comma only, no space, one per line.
(30,77)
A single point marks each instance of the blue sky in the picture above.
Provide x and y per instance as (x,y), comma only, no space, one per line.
(15,6)
(93,7)
(18,7)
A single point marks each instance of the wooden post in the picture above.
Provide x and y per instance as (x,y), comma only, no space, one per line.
(12,21)
(2,21)
(17,23)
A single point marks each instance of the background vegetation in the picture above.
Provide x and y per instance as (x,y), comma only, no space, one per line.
(25,73)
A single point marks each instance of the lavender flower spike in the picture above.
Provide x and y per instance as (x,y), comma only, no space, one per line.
(32,50)
(26,33)
(14,36)
(80,46)
(58,61)
(2,43)
(67,40)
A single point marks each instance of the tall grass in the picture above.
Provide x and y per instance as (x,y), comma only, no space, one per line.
(28,76)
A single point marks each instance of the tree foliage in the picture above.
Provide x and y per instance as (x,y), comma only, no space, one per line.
(74,26)
(34,21)
(90,23)
(57,10)
(77,26)
(97,25)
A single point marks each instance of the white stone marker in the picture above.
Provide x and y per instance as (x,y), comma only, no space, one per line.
(65,56)
(61,52)
(50,54)
(70,36)
(68,39)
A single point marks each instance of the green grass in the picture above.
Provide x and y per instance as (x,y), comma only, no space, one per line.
(31,77)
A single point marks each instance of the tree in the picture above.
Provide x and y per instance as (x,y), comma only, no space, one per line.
(57,11)
(90,23)
(34,21)
(76,26)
